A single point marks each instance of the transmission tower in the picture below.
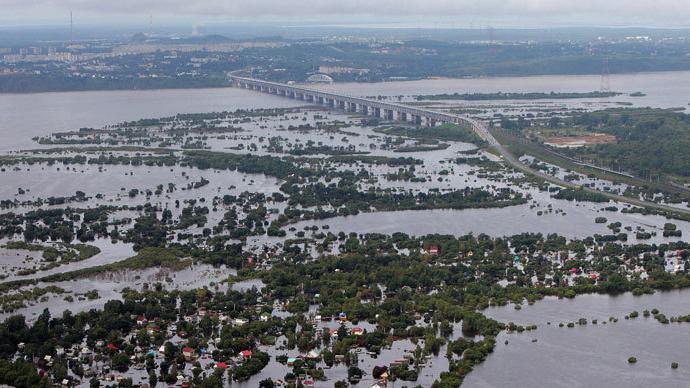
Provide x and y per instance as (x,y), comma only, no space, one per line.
(71,29)
(491,50)
(605,81)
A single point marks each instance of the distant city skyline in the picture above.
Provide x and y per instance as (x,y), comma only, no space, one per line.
(410,13)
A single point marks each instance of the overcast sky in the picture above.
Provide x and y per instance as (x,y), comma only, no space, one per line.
(460,13)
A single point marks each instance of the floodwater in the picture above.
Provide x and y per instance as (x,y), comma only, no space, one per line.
(27,115)
(662,89)
(24,116)
(113,181)
(110,286)
(590,355)
(577,223)
(583,356)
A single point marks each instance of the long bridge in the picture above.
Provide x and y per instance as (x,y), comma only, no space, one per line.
(384,110)
(420,116)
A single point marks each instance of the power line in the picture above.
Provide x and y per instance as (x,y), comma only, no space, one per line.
(71,28)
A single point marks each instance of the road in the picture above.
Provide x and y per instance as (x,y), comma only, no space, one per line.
(479,127)
(509,158)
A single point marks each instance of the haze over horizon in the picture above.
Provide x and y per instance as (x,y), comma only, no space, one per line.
(413,13)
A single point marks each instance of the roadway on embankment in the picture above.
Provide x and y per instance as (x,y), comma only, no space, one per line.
(483,132)
(513,161)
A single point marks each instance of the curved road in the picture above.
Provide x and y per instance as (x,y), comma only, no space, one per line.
(481,128)
(477,125)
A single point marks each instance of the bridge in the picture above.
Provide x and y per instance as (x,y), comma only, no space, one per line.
(420,116)
(383,110)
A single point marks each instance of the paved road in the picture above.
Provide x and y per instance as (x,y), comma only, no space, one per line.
(484,132)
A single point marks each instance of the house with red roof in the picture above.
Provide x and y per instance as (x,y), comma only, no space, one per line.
(188,353)
(152,328)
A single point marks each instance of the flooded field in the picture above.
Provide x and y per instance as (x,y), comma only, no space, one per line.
(196,197)
(495,222)
(593,354)
(110,286)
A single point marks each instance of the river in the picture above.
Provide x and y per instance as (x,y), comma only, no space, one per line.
(24,116)
(663,89)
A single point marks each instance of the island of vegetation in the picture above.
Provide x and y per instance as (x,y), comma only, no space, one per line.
(229,264)
(516,96)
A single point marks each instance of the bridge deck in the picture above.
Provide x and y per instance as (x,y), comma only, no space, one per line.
(336,100)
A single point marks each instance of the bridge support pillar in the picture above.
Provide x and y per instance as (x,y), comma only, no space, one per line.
(402,116)
(417,120)
(388,114)
(352,107)
(330,102)
(377,112)
(430,122)
(341,105)
(365,109)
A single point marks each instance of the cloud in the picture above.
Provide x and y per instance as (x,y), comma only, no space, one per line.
(658,12)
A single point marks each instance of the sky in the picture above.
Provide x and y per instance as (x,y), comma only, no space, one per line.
(458,13)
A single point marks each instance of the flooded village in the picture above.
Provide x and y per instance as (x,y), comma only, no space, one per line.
(299,246)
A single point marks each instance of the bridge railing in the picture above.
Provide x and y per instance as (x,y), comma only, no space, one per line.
(479,128)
